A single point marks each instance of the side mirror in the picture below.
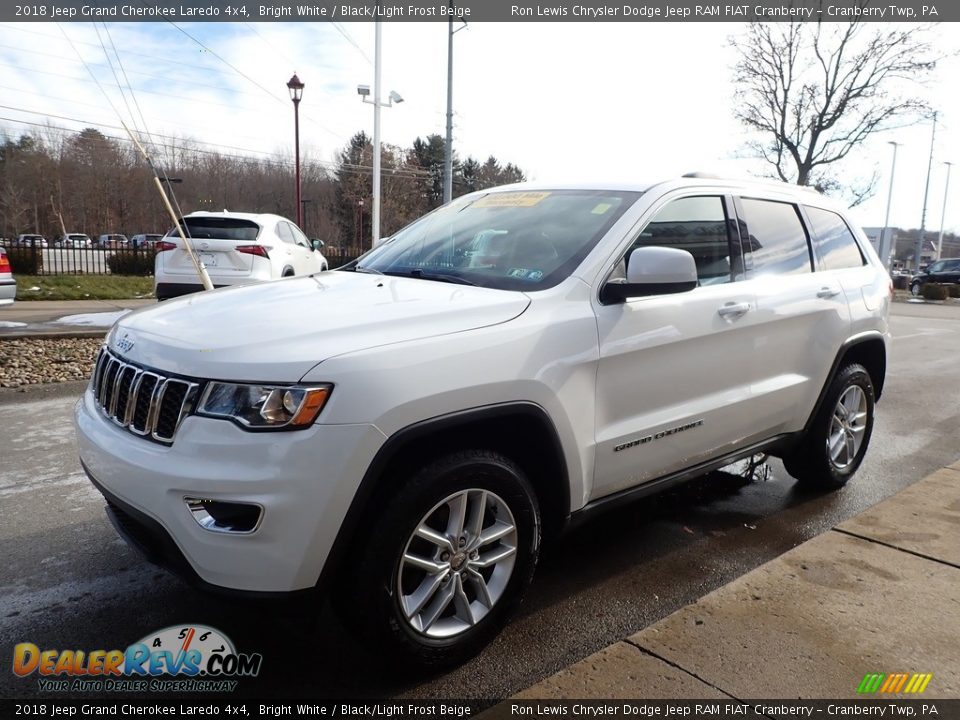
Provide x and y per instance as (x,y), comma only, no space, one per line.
(316,243)
(653,271)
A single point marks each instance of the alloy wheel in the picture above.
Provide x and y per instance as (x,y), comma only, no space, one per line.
(457,563)
(847,427)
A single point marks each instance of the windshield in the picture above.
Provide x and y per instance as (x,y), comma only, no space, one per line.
(515,240)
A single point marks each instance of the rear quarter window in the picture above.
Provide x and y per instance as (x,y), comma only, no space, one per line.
(833,243)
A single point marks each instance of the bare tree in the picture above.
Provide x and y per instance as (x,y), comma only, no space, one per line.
(816,91)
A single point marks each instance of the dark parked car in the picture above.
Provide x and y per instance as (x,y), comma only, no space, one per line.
(946,270)
(145,240)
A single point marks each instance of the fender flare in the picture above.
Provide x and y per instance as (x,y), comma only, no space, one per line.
(856,340)
(375,473)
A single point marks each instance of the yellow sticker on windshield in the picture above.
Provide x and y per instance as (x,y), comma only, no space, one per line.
(601,208)
(511,199)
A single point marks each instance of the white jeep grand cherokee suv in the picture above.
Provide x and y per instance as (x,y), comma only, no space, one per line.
(399,433)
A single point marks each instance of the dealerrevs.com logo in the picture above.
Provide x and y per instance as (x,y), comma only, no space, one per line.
(180,658)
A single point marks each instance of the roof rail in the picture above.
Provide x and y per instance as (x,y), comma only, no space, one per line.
(704,175)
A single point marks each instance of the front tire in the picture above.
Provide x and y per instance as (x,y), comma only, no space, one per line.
(834,446)
(448,561)
(915,289)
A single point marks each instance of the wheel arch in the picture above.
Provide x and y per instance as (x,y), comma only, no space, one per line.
(522,431)
(869,350)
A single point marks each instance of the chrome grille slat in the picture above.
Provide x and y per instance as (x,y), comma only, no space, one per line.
(138,400)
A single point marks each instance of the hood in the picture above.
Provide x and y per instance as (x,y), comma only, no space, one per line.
(278,331)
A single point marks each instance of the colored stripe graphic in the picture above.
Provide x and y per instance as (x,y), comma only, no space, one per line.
(912,683)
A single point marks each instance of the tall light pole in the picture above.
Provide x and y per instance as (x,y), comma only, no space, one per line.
(943,214)
(886,239)
(296,92)
(448,146)
(364,92)
(926,193)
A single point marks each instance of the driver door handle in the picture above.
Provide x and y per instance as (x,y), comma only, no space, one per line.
(732,311)
(828,292)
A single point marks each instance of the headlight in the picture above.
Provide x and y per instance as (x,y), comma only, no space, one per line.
(264,406)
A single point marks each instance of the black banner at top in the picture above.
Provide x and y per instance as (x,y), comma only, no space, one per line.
(476,11)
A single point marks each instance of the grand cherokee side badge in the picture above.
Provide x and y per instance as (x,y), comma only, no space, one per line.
(657,436)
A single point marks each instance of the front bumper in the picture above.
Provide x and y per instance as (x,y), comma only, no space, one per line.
(304,480)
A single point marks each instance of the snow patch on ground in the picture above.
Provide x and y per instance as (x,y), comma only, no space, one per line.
(105,319)
(11,324)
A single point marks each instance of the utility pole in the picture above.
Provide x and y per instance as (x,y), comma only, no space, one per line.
(886,239)
(943,215)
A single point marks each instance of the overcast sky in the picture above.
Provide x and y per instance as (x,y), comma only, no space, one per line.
(561,100)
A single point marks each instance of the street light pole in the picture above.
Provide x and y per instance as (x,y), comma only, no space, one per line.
(926,193)
(376,135)
(448,145)
(886,239)
(943,214)
(296,92)
(364,92)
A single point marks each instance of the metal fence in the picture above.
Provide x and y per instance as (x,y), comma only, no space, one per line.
(108,261)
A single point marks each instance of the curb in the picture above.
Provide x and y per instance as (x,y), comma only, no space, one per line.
(53,334)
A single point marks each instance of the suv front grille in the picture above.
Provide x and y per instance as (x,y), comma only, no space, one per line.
(142,401)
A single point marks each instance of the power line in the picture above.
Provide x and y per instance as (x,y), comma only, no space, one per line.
(180,80)
(248,78)
(193,66)
(271,45)
(149,92)
(346,36)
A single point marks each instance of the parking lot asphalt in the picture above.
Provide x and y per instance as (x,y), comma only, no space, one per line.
(63,318)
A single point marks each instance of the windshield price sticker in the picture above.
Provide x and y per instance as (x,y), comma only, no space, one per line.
(512,199)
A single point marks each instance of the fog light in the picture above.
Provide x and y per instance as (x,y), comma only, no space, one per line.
(224,517)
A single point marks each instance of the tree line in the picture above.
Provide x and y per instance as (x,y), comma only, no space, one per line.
(53,182)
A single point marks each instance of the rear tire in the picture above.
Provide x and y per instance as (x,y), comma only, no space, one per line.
(834,446)
(447,561)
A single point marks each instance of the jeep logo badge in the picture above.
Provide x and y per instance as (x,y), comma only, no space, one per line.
(125,342)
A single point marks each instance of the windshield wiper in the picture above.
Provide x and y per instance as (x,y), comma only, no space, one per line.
(439,277)
(367,270)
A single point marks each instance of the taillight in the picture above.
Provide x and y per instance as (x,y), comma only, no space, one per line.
(163,246)
(4,264)
(260,250)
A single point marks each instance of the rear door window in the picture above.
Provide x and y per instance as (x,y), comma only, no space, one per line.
(285,232)
(776,240)
(833,243)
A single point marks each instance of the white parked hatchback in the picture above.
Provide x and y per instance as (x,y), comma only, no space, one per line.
(236,249)
(398,433)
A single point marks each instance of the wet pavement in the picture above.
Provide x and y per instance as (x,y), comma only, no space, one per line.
(69,582)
